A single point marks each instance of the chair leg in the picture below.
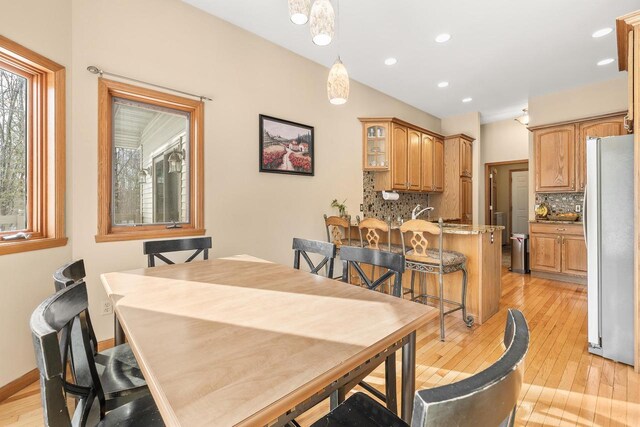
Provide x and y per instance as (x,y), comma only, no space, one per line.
(468,320)
(423,286)
(441,296)
(413,276)
(390,383)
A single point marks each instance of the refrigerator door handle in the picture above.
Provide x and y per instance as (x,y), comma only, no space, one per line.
(584,217)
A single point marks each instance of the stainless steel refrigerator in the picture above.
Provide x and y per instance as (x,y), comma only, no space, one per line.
(608,222)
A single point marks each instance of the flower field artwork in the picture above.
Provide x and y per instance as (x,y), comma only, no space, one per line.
(285,147)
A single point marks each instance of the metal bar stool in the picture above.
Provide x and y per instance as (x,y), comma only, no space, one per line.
(420,258)
(371,231)
(338,232)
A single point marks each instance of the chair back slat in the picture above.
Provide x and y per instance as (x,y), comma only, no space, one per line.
(338,229)
(303,247)
(373,228)
(156,248)
(69,274)
(395,263)
(418,247)
(487,398)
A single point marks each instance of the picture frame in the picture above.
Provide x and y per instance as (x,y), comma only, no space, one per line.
(286,147)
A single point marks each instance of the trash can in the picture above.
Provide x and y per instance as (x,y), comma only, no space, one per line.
(520,253)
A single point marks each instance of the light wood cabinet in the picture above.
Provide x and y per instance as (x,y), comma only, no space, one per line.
(599,128)
(466,197)
(466,156)
(403,156)
(554,156)
(558,249)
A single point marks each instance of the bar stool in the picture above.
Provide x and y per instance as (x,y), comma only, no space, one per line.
(420,258)
(338,230)
(371,231)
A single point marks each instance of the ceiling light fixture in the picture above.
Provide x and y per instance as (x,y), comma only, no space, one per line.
(602,32)
(299,11)
(321,22)
(442,38)
(524,118)
(606,61)
(465,100)
(390,61)
(338,83)
(443,84)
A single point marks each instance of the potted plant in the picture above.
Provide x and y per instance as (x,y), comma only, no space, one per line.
(342,208)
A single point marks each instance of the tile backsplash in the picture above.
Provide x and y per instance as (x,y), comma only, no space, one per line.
(561,202)
(375,206)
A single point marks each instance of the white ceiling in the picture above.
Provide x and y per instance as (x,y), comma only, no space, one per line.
(501,52)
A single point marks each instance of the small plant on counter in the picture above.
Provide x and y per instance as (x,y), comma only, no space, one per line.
(342,208)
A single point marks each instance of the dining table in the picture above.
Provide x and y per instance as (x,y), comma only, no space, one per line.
(244,341)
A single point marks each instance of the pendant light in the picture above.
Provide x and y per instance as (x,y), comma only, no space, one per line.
(524,118)
(338,83)
(321,22)
(299,11)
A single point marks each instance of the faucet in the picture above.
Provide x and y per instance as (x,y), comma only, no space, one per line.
(415,213)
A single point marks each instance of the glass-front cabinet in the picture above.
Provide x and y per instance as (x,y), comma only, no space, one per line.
(376,146)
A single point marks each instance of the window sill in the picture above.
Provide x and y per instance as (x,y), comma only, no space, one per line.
(150,234)
(13,247)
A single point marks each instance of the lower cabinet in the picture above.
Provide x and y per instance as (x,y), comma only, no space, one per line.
(558,249)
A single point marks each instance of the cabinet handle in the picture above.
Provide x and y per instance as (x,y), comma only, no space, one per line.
(561,229)
(558,239)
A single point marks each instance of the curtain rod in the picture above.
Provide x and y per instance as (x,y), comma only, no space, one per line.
(95,70)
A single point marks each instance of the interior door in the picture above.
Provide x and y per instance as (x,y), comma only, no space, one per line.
(493,195)
(519,201)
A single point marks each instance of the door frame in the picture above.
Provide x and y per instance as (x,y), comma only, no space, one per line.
(487,183)
(510,220)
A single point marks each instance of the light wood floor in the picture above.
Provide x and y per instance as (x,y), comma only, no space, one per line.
(563,384)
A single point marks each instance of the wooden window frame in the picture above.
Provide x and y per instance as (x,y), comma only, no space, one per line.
(46,167)
(107,232)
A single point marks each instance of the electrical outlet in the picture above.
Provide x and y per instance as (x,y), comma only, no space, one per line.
(361,207)
(578,208)
(107,307)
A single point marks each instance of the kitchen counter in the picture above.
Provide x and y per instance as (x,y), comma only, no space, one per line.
(548,221)
(482,245)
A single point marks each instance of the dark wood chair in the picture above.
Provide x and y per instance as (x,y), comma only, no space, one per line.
(488,398)
(120,376)
(302,248)
(392,262)
(156,248)
(67,308)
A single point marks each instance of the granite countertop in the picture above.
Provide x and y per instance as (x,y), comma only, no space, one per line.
(548,221)
(464,228)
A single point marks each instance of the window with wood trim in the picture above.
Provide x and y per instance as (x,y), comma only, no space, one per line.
(32,150)
(150,163)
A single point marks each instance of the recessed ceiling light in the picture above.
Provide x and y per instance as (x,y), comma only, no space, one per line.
(601,32)
(605,61)
(465,100)
(444,37)
(443,84)
(390,61)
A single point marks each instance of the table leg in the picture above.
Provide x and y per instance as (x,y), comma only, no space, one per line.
(408,377)
(118,332)
(390,383)
(336,398)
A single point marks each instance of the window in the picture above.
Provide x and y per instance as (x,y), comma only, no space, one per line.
(150,164)
(32,138)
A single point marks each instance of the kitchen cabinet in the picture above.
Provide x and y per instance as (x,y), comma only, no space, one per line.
(599,128)
(455,202)
(558,248)
(554,158)
(404,157)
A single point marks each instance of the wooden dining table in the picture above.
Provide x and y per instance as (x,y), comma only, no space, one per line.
(243,341)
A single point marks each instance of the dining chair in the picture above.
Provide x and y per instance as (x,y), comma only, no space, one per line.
(394,264)
(120,375)
(67,308)
(303,247)
(156,248)
(488,398)
(338,230)
(424,260)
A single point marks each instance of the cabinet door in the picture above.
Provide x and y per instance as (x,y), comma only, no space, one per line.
(545,252)
(466,200)
(574,255)
(466,158)
(598,129)
(438,165)
(414,160)
(399,158)
(555,161)
(375,148)
(427,163)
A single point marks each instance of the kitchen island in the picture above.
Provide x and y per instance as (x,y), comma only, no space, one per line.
(482,245)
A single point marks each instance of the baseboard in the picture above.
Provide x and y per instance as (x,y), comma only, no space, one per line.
(560,277)
(32,376)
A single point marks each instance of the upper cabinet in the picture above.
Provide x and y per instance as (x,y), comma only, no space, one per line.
(466,158)
(560,151)
(405,157)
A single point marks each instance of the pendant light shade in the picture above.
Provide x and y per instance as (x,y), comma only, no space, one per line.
(322,21)
(299,11)
(338,83)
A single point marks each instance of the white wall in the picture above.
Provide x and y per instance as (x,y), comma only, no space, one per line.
(25,278)
(469,124)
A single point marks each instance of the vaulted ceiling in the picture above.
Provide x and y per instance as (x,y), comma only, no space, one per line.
(501,52)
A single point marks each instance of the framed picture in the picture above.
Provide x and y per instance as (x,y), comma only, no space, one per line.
(285,147)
